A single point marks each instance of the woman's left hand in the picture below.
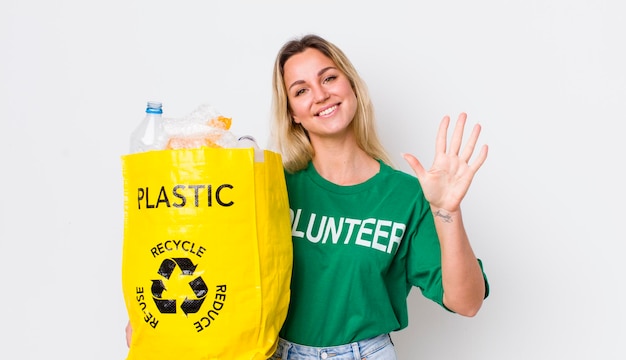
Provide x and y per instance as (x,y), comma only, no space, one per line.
(451,174)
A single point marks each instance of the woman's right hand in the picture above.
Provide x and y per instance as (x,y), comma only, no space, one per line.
(129,333)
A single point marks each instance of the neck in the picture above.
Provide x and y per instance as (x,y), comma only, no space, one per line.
(344,163)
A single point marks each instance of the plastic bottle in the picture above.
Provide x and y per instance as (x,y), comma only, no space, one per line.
(248,141)
(150,134)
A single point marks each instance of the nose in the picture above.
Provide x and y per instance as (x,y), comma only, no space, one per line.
(321,94)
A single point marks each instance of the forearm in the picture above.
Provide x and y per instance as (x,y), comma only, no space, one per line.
(463,282)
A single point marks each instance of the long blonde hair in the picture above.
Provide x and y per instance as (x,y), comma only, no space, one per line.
(289,137)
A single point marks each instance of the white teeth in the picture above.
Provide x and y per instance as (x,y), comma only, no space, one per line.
(327,111)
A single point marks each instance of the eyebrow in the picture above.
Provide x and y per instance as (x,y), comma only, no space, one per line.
(319,73)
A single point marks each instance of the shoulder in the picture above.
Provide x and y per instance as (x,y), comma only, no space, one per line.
(398,177)
(293,175)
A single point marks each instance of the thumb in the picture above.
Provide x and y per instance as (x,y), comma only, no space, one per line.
(415,164)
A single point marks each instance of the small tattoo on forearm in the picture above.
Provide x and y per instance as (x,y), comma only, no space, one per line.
(444,217)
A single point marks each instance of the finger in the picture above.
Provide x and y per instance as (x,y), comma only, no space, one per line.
(468,150)
(457,135)
(129,334)
(415,165)
(480,159)
(442,135)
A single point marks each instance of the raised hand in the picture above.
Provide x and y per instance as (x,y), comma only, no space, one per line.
(451,174)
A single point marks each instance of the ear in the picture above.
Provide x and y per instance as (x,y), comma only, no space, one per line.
(293,118)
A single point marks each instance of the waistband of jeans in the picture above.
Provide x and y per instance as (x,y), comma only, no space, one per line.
(363,345)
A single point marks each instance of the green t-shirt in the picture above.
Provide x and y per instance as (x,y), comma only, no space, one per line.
(358,251)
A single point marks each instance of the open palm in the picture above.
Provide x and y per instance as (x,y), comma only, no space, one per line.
(451,174)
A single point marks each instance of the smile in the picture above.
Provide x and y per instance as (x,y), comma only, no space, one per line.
(327,111)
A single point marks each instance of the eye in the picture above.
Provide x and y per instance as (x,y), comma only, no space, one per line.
(299,92)
(330,78)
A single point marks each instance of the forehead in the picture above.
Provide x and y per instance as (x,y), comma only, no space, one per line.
(305,65)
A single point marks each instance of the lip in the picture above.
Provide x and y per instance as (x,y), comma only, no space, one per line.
(334,108)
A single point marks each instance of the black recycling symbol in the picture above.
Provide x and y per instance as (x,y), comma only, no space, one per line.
(188,306)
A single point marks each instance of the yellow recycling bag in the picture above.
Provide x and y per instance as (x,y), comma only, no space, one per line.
(207,253)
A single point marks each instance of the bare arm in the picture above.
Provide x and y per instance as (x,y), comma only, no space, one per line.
(463,283)
(445,186)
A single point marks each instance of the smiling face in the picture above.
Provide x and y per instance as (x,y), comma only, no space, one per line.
(320,96)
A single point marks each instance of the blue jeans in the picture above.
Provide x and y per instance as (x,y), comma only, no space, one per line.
(376,348)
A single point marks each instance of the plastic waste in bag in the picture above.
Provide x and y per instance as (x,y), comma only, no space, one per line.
(150,133)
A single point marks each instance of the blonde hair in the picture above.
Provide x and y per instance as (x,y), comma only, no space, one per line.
(289,137)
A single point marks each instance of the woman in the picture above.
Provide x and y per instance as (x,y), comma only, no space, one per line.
(363,233)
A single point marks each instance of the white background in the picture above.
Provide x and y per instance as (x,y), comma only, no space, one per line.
(546,79)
